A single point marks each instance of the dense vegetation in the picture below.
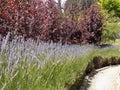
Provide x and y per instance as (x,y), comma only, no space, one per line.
(45,21)
(39,41)
(111,6)
(78,22)
(27,65)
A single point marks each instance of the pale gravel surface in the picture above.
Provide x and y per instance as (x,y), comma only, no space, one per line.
(107,78)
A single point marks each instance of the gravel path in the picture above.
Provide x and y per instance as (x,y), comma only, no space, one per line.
(107,78)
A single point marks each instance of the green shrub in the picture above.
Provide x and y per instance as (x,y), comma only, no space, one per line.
(111,27)
(111,31)
(111,6)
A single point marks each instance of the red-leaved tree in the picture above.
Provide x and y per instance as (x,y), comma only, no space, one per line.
(44,21)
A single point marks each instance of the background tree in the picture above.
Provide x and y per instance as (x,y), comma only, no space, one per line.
(84,3)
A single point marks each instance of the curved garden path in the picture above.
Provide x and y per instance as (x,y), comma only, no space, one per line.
(107,78)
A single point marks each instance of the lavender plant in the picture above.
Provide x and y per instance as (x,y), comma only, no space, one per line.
(37,50)
(25,61)
(28,65)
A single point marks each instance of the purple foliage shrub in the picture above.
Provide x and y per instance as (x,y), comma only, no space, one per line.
(91,25)
(43,21)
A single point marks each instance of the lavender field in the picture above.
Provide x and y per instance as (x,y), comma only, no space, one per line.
(28,65)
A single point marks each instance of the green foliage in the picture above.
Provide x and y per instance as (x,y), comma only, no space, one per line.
(111,27)
(111,6)
(111,31)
